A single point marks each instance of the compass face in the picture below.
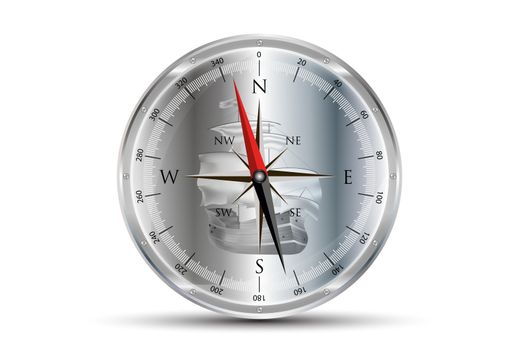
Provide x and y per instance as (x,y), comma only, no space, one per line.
(259,176)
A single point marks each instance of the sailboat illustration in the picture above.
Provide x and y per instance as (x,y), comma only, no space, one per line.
(233,224)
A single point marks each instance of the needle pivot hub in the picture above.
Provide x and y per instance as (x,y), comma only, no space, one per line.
(259,176)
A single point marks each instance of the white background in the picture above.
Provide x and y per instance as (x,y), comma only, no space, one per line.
(70,75)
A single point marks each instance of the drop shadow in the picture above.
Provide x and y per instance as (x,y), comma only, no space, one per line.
(309,319)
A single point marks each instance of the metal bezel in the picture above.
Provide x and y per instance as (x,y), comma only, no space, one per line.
(342,281)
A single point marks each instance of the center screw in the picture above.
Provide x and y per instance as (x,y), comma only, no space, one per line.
(259,176)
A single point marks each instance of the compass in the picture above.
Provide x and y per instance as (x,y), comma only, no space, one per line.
(259,176)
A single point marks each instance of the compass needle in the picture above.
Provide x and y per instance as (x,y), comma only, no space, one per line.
(258,171)
(265,214)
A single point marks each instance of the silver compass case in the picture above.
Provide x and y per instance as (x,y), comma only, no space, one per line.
(324,119)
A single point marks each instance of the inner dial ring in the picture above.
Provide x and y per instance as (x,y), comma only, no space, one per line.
(192,194)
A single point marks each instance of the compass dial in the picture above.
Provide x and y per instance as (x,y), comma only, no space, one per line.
(259,176)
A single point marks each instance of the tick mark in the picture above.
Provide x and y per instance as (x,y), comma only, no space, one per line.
(153,194)
(329,92)
(189,92)
(357,232)
(353,121)
(365,157)
(259,284)
(365,194)
(162,120)
(221,278)
(297,280)
(188,260)
(161,232)
(221,72)
(153,157)
(295,75)
(330,260)
(259,68)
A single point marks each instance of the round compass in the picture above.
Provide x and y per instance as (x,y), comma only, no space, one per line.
(259,176)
